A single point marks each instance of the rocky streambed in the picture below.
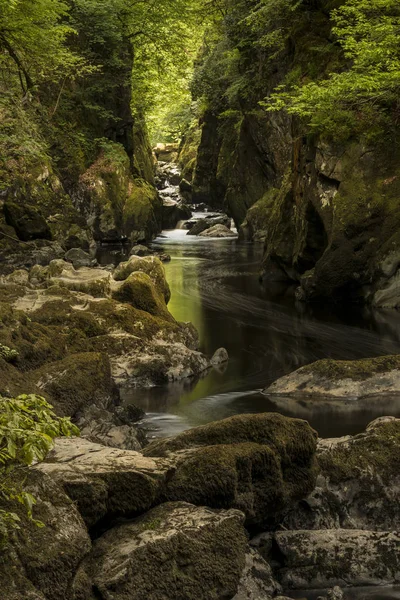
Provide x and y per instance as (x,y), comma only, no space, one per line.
(252,507)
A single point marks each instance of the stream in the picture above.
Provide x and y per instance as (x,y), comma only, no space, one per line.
(215,285)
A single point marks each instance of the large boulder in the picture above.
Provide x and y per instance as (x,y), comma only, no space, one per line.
(78,257)
(326,558)
(139,290)
(204,224)
(150,265)
(27,221)
(39,563)
(77,382)
(359,482)
(175,551)
(260,464)
(103,481)
(341,379)
(218,231)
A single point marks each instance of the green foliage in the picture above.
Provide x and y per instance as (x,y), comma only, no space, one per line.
(28,427)
(363,95)
(32,42)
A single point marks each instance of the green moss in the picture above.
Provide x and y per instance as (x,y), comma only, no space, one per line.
(152,266)
(139,291)
(77,382)
(376,452)
(290,437)
(257,463)
(142,211)
(244,476)
(358,370)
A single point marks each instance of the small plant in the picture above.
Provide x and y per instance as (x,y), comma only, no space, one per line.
(28,427)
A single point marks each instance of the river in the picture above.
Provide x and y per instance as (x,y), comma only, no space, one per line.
(215,285)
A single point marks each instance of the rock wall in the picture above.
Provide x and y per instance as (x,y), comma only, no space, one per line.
(326,211)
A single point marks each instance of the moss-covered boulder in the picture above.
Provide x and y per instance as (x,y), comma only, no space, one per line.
(259,464)
(139,291)
(349,379)
(325,558)
(142,213)
(218,231)
(359,482)
(39,563)
(105,482)
(150,265)
(77,382)
(27,221)
(118,203)
(175,551)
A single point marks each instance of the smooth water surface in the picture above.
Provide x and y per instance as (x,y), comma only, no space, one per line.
(215,285)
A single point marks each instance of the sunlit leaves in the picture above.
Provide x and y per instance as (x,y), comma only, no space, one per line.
(28,427)
(359,96)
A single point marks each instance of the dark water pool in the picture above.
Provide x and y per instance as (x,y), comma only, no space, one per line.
(267,333)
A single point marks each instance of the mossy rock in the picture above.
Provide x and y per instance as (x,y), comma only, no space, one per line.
(77,382)
(142,213)
(34,343)
(39,563)
(27,221)
(150,265)
(175,551)
(376,451)
(290,437)
(260,464)
(94,282)
(139,291)
(351,379)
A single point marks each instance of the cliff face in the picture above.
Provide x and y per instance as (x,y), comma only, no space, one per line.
(76,165)
(326,211)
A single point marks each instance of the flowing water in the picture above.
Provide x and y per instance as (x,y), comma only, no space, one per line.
(215,285)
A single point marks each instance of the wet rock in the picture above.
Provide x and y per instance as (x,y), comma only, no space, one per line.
(40,562)
(173,212)
(204,224)
(218,231)
(79,258)
(103,481)
(325,558)
(113,429)
(150,265)
(359,482)
(342,379)
(260,464)
(27,221)
(140,250)
(175,551)
(220,357)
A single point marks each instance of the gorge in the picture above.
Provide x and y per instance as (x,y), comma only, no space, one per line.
(199,265)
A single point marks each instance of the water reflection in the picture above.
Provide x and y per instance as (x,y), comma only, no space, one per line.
(267,334)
